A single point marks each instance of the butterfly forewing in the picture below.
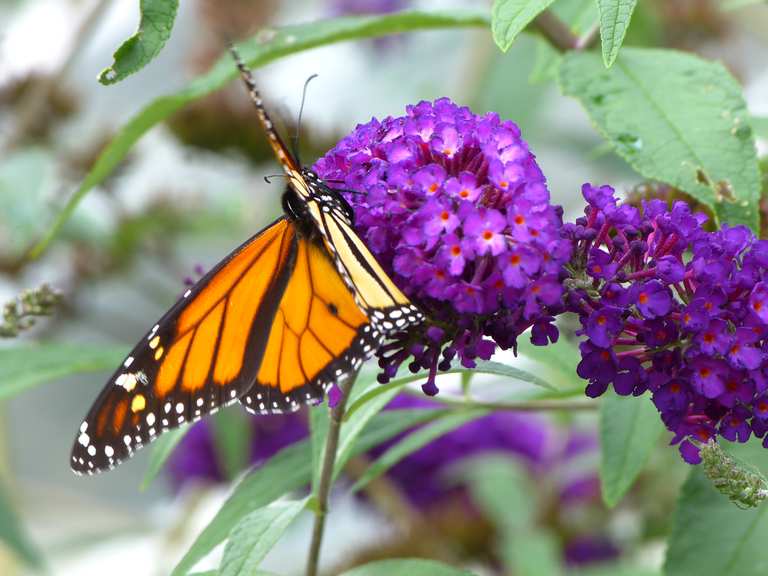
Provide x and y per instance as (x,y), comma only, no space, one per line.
(201,355)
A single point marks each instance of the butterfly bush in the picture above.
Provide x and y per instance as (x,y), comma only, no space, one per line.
(456,210)
(670,308)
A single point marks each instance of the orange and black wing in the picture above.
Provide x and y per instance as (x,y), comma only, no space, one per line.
(203,354)
(319,335)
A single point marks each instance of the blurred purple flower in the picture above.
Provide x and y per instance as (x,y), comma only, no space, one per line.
(195,460)
(668,307)
(457,211)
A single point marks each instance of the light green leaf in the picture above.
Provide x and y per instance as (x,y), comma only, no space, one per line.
(286,471)
(532,552)
(712,537)
(319,418)
(289,470)
(483,367)
(155,26)
(760,126)
(502,490)
(614,22)
(629,429)
(26,366)
(13,535)
(729,5)
(413,442)
(26,177)
(232,435)
(675,118)
(265,47)
(255,535)
(510,17)
(406,567)
(555,363)
(160,451)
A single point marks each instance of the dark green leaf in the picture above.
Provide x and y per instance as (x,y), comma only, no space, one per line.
(23,367)
(13,535)
(510,17)
(406,567)
(414,441)
(614,22)
(712,537)
(155,26)
(675,118)
(160,451)
(263,48)
(629,429)
(232,435)
(255,535)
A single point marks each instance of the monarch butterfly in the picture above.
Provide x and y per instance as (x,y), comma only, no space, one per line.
(298,306)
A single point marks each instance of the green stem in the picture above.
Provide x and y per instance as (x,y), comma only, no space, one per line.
(326,476)
(521,406)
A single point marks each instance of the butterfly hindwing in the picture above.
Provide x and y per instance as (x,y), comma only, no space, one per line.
(319,336)
(201,355)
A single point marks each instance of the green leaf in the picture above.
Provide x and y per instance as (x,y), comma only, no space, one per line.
(155,26)
(760,126)
(13,535)
(729,5)
(289,470)
(232,436)
(483,367)
(255,535)
(265,47)
(579,16)
(23,367)
(26,178)
(629,429)
(413,442)
(286,471)
(319,418)
(161,450)
(406,567)
(614,22)
(510,17)
(712,537)
(532,553)
(675,118)
(500,487)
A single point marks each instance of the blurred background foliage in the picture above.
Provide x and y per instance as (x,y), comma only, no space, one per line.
(501,493)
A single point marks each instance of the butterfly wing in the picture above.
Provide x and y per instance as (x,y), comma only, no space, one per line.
(389,310)
(203,354)
(319,336)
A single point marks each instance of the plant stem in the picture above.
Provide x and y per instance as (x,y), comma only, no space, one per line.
(521,406)
(326,476)
(560,36)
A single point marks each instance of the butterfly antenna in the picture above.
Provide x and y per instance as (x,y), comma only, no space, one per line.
(295,141)
(275,141)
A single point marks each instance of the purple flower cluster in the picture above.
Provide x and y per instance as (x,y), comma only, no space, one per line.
(457,211)
(671,308)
